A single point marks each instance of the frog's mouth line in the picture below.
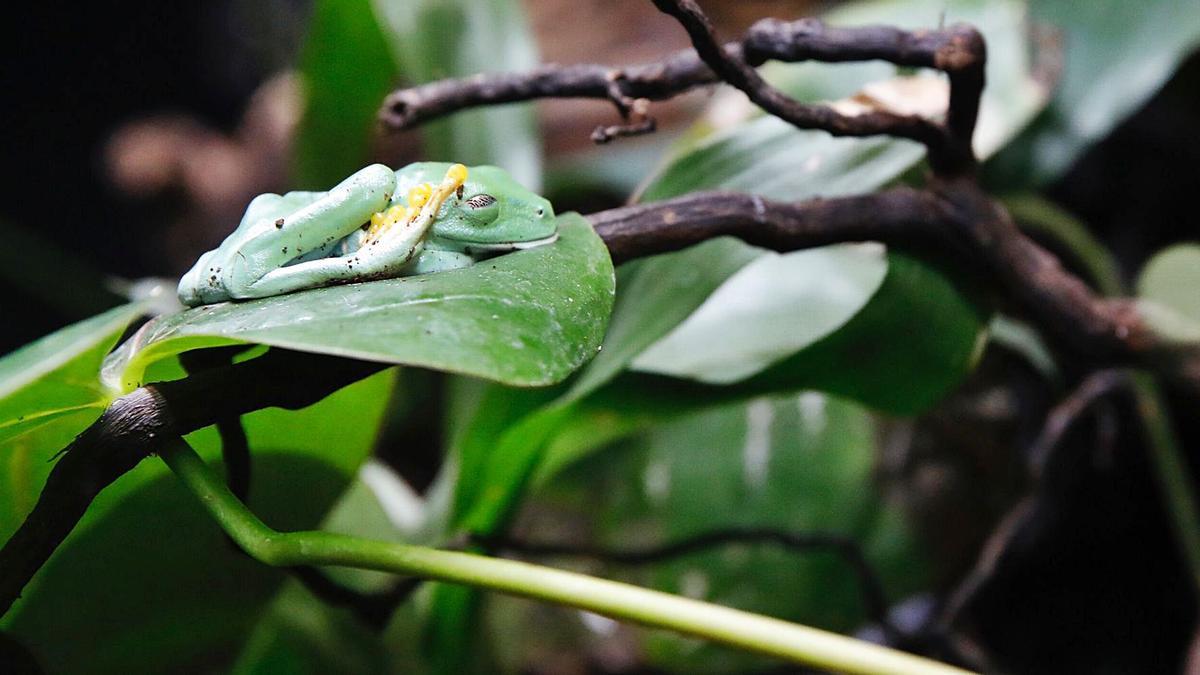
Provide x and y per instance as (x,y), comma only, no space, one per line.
(504,246)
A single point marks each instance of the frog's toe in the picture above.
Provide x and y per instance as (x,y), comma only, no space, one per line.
(202,284)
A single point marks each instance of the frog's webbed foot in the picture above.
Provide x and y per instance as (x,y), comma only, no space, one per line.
(200,285)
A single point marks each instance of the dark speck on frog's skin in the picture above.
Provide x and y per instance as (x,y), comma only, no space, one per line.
(279,224)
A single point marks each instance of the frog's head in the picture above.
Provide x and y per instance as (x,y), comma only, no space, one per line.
(493,212)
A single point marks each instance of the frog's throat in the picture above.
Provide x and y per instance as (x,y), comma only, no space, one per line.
(424,202)
(506,246)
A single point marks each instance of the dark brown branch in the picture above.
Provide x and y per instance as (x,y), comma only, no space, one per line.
(135,425)
(108,449)
(958,51)
(954,221)
(235,447)
(899,215)
(413,106)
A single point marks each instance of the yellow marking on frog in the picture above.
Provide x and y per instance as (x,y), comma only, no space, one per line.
(419,195)
(423,200)
(458,174)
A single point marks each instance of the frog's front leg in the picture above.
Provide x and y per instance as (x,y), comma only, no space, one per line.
(438,260)
(266,248)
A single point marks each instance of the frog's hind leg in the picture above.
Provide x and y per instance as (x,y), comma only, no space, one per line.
(273,243)
(381,259)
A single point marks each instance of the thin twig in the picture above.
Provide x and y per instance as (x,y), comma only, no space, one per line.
(235,447)
(744,77)
(373,609)
(1060,420)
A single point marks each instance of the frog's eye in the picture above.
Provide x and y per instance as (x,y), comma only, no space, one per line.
(481,201)
(540,212)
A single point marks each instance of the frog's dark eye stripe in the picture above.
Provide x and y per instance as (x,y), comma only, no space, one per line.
(480,201)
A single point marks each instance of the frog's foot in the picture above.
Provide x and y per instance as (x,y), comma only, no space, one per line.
(202,284)
(424,202)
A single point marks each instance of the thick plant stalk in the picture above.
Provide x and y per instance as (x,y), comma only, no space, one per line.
(735,628)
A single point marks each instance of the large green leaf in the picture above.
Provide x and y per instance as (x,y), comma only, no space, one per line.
(527,318)
(49,392)
(920,334)
(346,69)
(657,293)
(1115,55)
(147,581)
(510,452)
(358,50)
(863,361)
(750,321)
(437,39)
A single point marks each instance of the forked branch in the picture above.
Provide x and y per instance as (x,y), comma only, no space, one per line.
(959,51)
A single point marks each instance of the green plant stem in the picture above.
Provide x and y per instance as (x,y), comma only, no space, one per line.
(736,628)
(1174,476)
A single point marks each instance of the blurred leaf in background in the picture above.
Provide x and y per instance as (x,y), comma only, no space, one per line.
(49,392)
(794,464)
(359,50)
(346,69)
(1172,279)
(439,39)
(1105,59)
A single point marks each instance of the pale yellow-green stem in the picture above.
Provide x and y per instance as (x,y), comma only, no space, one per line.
(736,628)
